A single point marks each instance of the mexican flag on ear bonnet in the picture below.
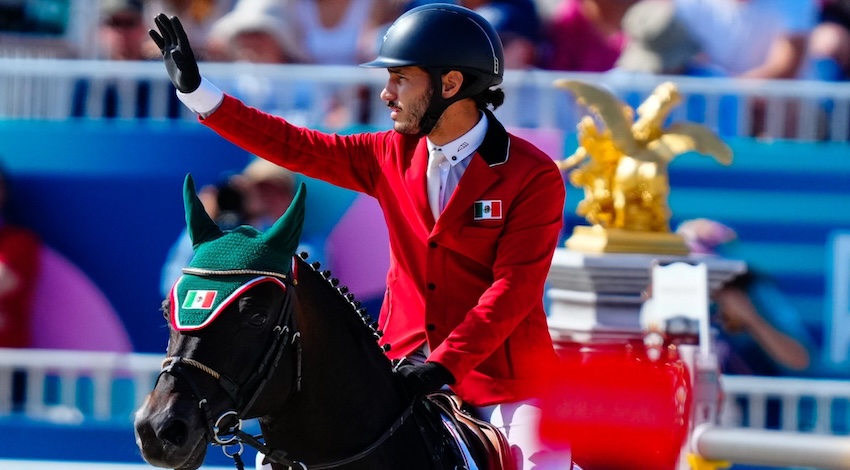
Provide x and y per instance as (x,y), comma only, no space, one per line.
(228,262)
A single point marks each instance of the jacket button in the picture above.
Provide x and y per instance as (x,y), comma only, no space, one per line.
(432,244)
(430,327)
(431,286)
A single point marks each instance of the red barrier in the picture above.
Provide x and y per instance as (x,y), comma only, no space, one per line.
(617,409)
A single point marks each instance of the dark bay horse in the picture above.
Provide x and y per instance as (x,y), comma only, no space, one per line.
(257,332)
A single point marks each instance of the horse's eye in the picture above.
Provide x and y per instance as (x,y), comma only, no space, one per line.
(258,319)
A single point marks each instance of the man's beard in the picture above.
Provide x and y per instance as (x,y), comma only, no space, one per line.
(412,114)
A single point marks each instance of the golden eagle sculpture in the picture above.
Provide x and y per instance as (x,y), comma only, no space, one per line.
(622,168)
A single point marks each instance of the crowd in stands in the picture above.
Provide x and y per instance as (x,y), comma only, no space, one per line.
(734,38)
(769,39)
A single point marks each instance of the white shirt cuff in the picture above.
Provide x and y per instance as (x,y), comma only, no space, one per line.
(204,100)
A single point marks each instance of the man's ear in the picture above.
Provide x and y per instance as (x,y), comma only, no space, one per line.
(452,82)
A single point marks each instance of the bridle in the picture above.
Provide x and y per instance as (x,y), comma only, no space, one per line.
(226,429)
(285,338)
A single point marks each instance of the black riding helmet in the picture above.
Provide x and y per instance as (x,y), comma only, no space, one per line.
(440,37)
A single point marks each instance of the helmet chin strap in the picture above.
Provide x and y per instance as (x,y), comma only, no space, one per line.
(438,105)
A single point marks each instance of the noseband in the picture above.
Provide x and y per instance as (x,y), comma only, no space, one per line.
(285,337)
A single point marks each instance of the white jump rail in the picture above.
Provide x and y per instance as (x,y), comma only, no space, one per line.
(791,394)
(742,436)
(771,447)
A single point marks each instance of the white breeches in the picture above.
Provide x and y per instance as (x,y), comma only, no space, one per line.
(519,422)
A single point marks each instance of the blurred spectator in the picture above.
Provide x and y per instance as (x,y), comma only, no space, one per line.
(257,31)
(261,32)
(585,35)
(751,38)
(763,39)
(659,43)
(268,190)
(258,196)
(122,36)
(519,28)
(760,331)
(328,32)
(196,16)
(342,32)
(829,43)
(224,202)
(20,250)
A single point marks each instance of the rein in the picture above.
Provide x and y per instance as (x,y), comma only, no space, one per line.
(279,456)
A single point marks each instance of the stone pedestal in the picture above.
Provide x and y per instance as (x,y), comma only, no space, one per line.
(597,297)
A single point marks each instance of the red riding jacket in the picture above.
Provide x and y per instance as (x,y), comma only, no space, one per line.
(470,285)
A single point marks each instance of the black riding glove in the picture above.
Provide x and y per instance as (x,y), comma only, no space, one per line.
(176,53)
(421,379)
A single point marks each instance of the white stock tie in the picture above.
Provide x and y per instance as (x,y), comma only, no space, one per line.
(435,181)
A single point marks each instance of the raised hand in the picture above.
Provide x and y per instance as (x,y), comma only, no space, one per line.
(176,53)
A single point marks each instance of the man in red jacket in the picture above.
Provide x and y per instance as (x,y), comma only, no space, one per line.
(473,212)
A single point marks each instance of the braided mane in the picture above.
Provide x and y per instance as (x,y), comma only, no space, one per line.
(365,320)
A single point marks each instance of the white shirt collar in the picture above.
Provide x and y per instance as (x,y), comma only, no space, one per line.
(465,145)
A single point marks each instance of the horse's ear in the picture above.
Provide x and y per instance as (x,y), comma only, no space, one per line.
(285,234)
(199,224)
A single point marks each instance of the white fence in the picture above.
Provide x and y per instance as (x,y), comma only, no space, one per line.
(781,422)
(71,386)
(800,405)
(315,95)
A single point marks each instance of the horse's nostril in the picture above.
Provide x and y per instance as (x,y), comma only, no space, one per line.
(175,432)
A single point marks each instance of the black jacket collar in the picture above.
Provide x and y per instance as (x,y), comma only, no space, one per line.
(494,148)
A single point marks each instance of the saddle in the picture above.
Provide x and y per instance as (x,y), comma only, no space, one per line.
(488,446)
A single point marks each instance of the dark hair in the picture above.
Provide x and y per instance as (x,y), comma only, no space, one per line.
(231,211)
(486,98)
(229,198)
(743,280)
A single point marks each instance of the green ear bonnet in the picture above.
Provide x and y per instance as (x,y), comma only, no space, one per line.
(226,263)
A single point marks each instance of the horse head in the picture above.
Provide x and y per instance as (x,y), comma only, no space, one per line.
(256,332)
(232,337)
